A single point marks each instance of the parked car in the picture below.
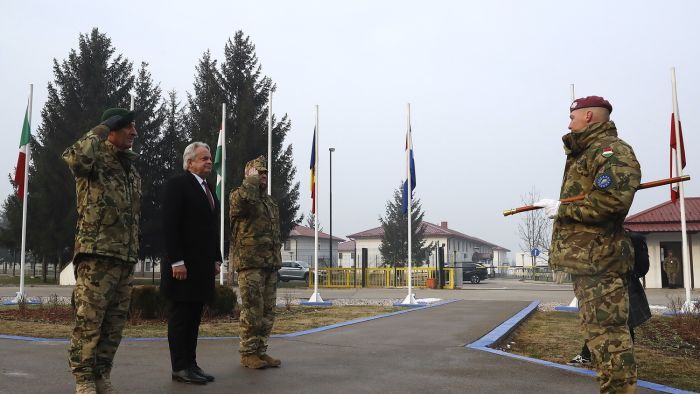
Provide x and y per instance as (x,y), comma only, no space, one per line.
(293,270)
(474,272)
(297,270)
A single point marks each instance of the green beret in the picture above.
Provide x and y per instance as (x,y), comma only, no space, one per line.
(127,116)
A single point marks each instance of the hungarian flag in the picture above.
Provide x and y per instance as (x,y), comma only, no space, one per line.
(411,169)
(218,163)
(312,168)
(674,147)
(22,159)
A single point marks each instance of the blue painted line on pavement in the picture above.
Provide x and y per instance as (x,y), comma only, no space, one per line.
(290,335)
(484,344)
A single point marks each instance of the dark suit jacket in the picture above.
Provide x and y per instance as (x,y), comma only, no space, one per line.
(192,235)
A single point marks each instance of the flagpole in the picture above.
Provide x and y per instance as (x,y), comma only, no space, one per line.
(410,298)
(316,297)
(223,194)
(687,307)
(269,145)
(21,296)
(574,302)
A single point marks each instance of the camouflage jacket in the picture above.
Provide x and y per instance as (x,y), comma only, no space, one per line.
(588,237)
(255,228)
(108,197)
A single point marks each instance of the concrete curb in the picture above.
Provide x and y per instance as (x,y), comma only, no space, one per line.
(484,344)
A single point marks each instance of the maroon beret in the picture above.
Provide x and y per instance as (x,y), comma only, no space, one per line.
(590,101)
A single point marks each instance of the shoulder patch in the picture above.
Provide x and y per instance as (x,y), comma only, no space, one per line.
(607,152)
(603,181)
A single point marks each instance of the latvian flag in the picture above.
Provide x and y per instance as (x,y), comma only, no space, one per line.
(674,146)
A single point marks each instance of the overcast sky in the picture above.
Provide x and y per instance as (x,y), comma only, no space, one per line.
(488,82)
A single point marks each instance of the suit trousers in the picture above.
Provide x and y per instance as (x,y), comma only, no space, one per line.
(183,329)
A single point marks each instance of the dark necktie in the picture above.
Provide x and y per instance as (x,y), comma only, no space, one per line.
(209,196)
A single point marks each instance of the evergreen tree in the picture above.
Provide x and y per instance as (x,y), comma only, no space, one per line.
(149,122)
(174,137)
(240,84)
(11,222)
(204,117)
(395,239)
(310,221)
(89,81)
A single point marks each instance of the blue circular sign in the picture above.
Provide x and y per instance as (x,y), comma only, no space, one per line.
(535,252)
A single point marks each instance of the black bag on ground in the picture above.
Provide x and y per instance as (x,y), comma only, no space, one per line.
(639,306)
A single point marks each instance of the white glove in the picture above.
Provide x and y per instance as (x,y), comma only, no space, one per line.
(551,207)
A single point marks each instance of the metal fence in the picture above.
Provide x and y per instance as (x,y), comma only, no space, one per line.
(380,277)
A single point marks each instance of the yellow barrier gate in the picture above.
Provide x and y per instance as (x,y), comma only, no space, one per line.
(379,277)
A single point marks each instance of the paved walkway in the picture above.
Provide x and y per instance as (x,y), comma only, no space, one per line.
(420,351)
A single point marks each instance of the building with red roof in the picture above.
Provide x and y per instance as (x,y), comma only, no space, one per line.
(455,246)
(661,226)
(300,246)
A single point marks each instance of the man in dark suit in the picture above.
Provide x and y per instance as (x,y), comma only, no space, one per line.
(193,258)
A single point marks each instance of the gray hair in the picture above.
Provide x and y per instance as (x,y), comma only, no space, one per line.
(189,152)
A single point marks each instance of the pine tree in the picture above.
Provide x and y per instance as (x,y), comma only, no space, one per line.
(395,239)
(174,137)
(89,81)
(240,84)
(310,221)
(149,123)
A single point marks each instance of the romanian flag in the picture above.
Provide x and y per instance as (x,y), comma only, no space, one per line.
(674,146)
(22,159)
(312,168)
(411,169)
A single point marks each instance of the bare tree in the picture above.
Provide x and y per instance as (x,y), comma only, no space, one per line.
(535,230)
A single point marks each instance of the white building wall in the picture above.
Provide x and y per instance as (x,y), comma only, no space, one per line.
(654,240)
(302,249)
(347,259)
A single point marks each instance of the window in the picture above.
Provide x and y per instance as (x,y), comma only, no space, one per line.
(288,245)
(340,256)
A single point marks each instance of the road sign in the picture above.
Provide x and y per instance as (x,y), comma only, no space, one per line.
(535,252)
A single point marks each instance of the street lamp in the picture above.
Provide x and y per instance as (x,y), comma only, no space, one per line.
(330,200)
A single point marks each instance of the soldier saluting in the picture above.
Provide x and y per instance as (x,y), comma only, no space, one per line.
(108,192)
(589,241)
(256,256)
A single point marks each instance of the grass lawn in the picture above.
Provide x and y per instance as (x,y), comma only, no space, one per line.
(9,280)
(667,349)
(57,322)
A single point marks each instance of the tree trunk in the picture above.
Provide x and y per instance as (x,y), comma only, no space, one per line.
(44,268)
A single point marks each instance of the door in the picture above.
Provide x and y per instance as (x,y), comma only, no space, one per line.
(671,265)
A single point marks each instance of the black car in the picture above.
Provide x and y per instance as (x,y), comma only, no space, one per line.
(474,272)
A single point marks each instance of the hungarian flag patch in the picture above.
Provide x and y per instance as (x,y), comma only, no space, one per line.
(607,152)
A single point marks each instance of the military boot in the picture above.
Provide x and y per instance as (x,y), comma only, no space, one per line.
(86,387)
(104,385)
(273,362)
(253,361)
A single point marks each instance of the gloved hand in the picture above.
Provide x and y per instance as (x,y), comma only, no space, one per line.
(551,207)
(115,122)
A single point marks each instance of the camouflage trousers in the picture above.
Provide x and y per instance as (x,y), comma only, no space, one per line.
(258,288)
(603,310)
(102,294)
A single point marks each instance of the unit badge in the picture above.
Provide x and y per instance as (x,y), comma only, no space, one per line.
(603,181)
(607,152)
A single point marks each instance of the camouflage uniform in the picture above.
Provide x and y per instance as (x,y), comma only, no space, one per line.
(256,256)
(589,242)
(672,268)
(108,191)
